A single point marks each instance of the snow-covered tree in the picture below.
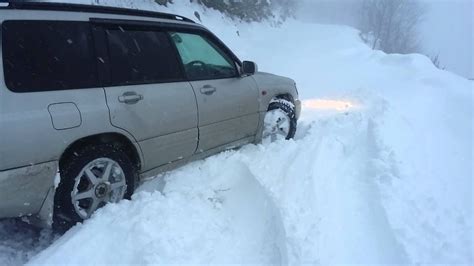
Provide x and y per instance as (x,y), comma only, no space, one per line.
(285,8)
(250,10)
(246,10)
(164,2)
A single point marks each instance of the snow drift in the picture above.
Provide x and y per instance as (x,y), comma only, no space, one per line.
(380,171)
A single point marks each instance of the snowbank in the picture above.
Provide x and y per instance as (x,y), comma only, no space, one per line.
(386,180)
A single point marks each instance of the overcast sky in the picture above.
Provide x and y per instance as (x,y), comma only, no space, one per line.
(447,28)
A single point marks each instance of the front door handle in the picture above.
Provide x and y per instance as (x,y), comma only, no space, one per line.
(130,97)
(208,90)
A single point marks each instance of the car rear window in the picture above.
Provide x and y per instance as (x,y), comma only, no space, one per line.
(48,55)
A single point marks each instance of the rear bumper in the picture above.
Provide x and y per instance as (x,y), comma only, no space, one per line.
(298,108)
(23,191)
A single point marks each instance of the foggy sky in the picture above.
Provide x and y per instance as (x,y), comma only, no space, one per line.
(447,28)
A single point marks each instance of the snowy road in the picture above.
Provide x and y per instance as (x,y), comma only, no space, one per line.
(311,200)
(320,199)
(260,204)
(380,170)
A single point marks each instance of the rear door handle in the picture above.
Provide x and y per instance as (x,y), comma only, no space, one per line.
(130,97)
(208,90)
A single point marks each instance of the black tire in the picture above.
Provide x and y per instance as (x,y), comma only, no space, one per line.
(65,216)
(289,109)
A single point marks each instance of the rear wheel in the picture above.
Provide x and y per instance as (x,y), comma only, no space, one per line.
(92,177)
(280,121)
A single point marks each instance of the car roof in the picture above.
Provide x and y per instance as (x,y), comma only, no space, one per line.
(46,6)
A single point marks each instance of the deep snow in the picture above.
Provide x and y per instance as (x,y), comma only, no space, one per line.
(380,171)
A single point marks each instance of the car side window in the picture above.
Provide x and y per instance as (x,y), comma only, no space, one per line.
(202,59)
(142,57)
(48,56)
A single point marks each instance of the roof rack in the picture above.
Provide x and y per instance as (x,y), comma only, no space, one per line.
(27,5)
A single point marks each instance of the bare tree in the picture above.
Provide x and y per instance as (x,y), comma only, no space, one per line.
(391,25)
(437,62)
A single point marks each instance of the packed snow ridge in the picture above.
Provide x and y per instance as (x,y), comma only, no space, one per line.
(380,171)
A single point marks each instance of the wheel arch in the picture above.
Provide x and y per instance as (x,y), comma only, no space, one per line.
(283,96)
(117,139)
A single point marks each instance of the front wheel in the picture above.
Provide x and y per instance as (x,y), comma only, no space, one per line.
(280,121)
(92,177)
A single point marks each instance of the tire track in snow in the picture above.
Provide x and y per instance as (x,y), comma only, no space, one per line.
(309,201)
(278,167)
(354,225)
(324,185)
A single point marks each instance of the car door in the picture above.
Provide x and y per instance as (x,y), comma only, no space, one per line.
(148,95)
(227,103)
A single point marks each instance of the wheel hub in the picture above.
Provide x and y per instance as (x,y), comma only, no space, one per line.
(102,181)
(276,125)
(101,190)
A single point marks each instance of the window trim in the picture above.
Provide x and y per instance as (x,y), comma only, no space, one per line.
(172,27)
(99,48)
(166,26)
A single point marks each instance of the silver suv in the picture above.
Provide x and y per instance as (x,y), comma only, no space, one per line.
(95,99)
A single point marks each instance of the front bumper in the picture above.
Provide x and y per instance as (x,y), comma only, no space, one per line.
(24,191)
(298,108)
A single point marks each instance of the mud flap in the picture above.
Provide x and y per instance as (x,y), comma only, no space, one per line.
(44,218)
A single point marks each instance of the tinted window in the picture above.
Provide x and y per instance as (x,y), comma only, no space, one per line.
(47,55)
(142,57)
(203,59)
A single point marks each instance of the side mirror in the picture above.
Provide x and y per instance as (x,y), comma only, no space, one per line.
(249,68)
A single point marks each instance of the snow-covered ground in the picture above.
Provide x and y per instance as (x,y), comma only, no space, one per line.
(380,171)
